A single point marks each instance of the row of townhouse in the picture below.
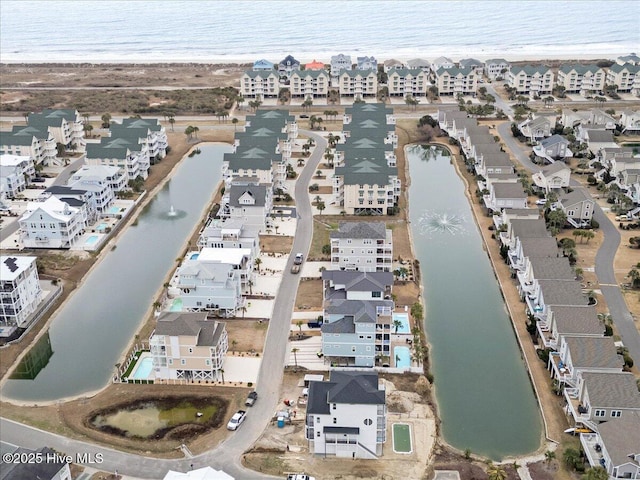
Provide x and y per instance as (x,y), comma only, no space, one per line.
(346,416)
(584,363)
(43,132)
(215,278)
(59,216)
(365,179)
(134,145)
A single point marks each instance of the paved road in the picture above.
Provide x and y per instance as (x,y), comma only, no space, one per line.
(604,258)
(226,456)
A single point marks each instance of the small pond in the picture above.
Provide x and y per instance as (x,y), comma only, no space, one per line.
(173,418)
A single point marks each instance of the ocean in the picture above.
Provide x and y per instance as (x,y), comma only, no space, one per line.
(243,31)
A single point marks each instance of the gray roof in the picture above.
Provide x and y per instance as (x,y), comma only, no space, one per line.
(190,324)
(600,136)
(360,281)
(529,69)
(579,68)
(361,230)
(344,325)
(529,228)
(310,73)
(577,320)
(258,192)
(362,311)
(508,190)
(594,352)
(260,73)
(561,292)
(552,140)
(555,167)
(355,73)
(454,71)
(617,68)
(546,268)
(500,159)
(489,148)
(366,171)
(612,390)
(502,176)
(355,388)
(470,62)
(621,438)
(539,247)
(497,61)
(403,72)
(577,196)
(45,470)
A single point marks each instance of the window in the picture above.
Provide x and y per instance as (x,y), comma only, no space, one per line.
(190,349)
(335,420)
(317,419)
(353,349)
(616,413)
(183,361)
(376,294)
(368,421)
(600,413)
(333,406)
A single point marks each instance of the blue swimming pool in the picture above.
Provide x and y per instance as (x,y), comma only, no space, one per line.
(114,210)
(194,256)
(402,357)
(404,318)
(176,306)
(102,227)
(91,240)
(143,369)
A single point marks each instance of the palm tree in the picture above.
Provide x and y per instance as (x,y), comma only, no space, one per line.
(243,309)
(234,344)
(320,206)
(328,156)
(172,120)
(397,324)
(295,356)
(549,456)
(195,131)
(240,101)
(597,473)
(571,457)
(234,120)
(299,324)
(106,120)
(88,128)
(188,132)
(257,262)
(222,375)
(496,472)
(588,234)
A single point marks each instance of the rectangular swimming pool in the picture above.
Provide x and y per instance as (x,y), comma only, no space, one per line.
(115,210)
(91,240)
(102,227)
(143,369)
(404,318)
(402,357)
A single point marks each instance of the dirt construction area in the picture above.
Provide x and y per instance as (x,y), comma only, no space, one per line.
(282,450)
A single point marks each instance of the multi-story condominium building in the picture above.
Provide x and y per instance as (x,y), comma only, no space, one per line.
(624,76)
(279,120)
(583,79)
(129,154)
(214,279)
(454,81)
(30,141)
(615,447)
(405,82)
(531,80)
(340,63)
(147,131)
(247,200)
(472,63)
(65,125)
(15,171)
(362,83)
(258,159)
(20,291)
(496,68)
(262,65)
(601,397)
(51,224)
(362,246)
(365,182)
(260,83)
(287,66)
(309,83)
(367,63)
(346,416)
(188,346)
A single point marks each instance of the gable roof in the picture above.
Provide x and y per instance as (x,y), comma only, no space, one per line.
(555,167)
(594,352)
(572,198)
(257,192)
(508,190)
(561,292)
(552,268)
(577,320)
(361,230)
(190,324)
(344,387)
(621,438)
(612,390)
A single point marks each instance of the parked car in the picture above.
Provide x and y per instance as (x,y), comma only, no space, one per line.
(304,116)
(38,179)
(251,399)
(541,201)
(236,420)
(298,260)
(299,476)
(295,269)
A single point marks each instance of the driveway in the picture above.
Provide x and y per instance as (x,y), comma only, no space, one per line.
(604,258)
(226,456)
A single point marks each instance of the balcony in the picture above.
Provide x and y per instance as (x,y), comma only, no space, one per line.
(592,446)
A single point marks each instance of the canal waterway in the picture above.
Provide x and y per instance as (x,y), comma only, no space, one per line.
(485,398)
(88,336)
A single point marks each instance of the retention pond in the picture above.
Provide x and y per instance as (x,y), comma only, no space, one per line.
(485,399)
(88,336)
